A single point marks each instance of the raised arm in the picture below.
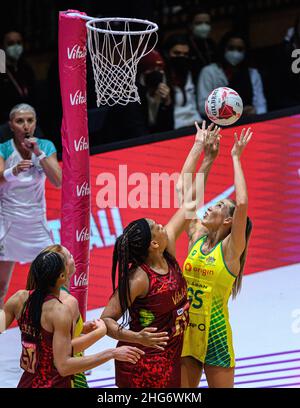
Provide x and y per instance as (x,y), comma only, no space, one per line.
(235,242)
(207,140)
(112,313)
(195,228)
(190,164)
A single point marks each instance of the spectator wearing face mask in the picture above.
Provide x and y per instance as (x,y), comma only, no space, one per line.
(180,79)
(155,94)
(17,85)
(203,48)
(232,70)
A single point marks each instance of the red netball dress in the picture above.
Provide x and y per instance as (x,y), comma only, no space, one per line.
(37,359)
(165,307)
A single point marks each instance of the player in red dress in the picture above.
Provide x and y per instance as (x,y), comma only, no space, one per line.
(153,292)
(46,329)
(156,301)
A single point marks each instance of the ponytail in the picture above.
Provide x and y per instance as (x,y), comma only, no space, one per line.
(44,272)
(238,281)
(130,251)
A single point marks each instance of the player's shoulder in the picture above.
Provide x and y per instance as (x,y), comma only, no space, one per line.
(137,273)
(21,294)
(139,282)
(71,302)
(18,299)
(6,149)
(61,312)
(67,298)
(47,146)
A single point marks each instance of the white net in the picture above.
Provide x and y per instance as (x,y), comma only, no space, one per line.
(116,46)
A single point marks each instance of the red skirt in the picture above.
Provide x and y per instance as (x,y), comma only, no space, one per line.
(156,369)
(29,380)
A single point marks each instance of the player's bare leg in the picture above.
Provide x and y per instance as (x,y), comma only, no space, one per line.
(191,371)
(219,377)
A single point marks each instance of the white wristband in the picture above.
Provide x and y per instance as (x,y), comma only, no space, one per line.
(8,175)
(36,160)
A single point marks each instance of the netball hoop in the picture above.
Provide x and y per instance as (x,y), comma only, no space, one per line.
(116,45)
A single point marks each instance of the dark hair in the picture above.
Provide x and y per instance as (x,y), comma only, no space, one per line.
(238,281)
(170,42)
(12,30)
(240,80)
(225,40)
(195,10)
(175,39)
(130,251)
(31,283)
(44,270)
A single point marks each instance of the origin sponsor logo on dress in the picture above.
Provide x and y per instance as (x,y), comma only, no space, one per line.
(78,98)
(203,272)
(81,280)
(83,190)
(81,144)
(76,52)
(82,235)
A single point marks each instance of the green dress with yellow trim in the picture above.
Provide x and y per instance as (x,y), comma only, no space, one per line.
(208,337)
(79,379)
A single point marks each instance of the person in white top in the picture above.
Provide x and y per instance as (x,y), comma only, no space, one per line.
(183,90)
(232,70)
(25,162)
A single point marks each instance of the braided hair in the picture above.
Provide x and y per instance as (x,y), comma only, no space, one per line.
(30,284)
(130,251)
(45,270)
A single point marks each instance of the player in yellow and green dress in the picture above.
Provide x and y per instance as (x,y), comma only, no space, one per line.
(213,270)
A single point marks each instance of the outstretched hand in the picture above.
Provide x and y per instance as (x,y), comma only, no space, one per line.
(95,324)
(241,143)
(209,139)
(128,353)
(148,337)
(212,143)
(202,132)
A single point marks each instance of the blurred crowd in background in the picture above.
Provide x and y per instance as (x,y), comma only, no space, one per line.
(199,49)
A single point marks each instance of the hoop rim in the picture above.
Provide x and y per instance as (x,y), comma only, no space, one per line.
(132,20)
